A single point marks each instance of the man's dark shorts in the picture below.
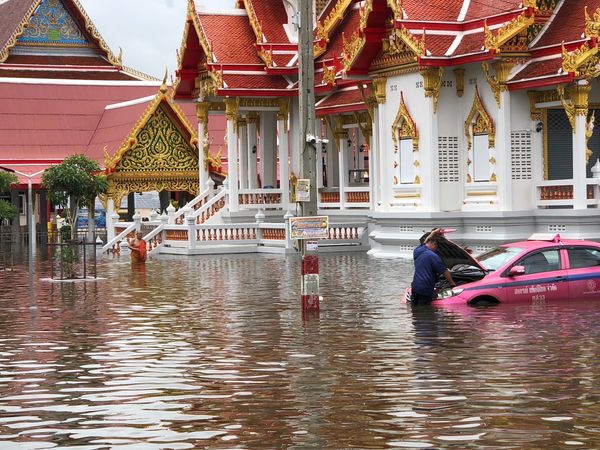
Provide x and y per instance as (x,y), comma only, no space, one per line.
(418,299)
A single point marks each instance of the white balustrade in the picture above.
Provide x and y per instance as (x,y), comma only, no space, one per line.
(560,193)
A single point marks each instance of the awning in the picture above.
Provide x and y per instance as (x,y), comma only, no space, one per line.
(28,169)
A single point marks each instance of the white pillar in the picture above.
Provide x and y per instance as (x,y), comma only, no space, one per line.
(321,133)
(232,152)
(294,124)
(268,145)
(110,223)
(242,126)
(202,114)
(342,137)
(502,153)
(284,165)
(374,155)
(385,176)
(252,151)
(579,164)
(332,161)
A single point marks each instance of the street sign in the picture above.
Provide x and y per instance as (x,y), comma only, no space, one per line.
(315,227)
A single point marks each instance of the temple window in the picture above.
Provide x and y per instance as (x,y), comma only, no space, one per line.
(407,163)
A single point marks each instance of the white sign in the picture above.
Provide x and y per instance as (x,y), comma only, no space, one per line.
(316,227)
(303,190)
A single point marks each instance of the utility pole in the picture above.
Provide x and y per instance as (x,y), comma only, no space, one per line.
(308,148)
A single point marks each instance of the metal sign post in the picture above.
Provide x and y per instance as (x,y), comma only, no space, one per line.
(308,144)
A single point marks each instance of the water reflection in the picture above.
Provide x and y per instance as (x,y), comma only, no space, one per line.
(213,352)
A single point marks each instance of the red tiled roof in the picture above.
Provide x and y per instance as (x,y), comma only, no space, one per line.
(66,75)
(254,81)
(569,22)
(471,43)
(11,15)
(53,121)
(438,44)
(272,16)
(449,10)
(58,60)
(349,25)
(231,37)
(342,101)
(537,69)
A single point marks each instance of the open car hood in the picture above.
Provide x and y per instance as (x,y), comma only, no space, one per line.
(453,254)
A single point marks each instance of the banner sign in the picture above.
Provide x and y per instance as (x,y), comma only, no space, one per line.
(316,227)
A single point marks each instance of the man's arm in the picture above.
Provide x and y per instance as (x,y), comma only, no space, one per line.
(448,277)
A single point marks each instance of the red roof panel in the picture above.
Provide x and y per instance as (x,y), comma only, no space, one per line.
(232,38)
(569,22)
(11,15)
(272,16)
(254,82)
(538,69)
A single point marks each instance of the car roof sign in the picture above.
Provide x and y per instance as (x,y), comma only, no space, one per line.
(548,237)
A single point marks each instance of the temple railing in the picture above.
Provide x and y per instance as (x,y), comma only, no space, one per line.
(559,193)
(123,230)
(260,199)
(355,197)
(255,236)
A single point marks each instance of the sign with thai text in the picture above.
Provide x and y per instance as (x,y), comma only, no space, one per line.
(303,190)
(316,227)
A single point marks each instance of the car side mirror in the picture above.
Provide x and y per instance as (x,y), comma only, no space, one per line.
(516,271)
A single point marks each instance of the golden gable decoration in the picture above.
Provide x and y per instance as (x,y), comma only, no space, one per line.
(479,122)
(404,127)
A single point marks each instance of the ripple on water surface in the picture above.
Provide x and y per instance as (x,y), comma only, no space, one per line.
(213,352)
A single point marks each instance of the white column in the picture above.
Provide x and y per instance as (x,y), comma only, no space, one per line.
(202,114)
(284,165)
(242,126)
(268,146)
(385,176)
(579,164)
(342,137)
(374,155)
(110,223)
(332,161)
(232,152)
(252,151)
(429,154)
(360,156)
(502,153)
(321,133)
(294,124)
(579,97)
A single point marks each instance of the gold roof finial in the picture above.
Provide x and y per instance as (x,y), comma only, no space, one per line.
(120,57)
(163,86)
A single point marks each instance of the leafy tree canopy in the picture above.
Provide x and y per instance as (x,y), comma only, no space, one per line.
(6,179)
(74,183)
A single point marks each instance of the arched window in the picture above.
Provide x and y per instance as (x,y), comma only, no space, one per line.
(406,143)
(481,136)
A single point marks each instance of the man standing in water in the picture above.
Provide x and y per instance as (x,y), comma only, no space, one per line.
(428,267)
(138,248)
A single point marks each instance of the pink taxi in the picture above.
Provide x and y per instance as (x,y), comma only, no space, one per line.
(542,269)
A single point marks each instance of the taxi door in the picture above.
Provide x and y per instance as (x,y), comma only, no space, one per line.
(544,280)
(584,272)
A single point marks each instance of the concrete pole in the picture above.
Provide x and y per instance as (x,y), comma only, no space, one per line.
(231,110)
(306,94)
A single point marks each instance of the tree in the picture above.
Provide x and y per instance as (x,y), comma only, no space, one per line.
(7,211)
(74,184)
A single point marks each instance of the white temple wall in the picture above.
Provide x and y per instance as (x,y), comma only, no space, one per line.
(525,143)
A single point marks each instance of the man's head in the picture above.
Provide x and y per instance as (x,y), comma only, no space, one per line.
(432,242)
(139,235)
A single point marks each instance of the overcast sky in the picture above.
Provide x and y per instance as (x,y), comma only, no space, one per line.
(148,31)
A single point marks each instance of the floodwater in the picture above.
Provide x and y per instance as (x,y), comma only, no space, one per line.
(213,352)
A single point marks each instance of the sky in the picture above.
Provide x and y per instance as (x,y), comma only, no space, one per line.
(148,31)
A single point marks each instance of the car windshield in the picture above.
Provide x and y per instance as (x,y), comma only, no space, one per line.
(496,258)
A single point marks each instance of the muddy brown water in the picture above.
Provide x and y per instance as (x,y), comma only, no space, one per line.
(213,352)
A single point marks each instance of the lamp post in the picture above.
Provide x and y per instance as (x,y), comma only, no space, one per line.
(31,218)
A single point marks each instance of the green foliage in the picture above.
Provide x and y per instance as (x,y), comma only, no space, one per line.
(7,211)
(74,184)
(6,179)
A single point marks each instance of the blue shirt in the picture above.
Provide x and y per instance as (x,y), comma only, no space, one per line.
(428,266)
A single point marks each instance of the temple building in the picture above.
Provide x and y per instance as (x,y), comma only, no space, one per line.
(64,92)
(474,115)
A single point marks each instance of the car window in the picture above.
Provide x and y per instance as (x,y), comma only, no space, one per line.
(583,257)
(544,261)
(496,258)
